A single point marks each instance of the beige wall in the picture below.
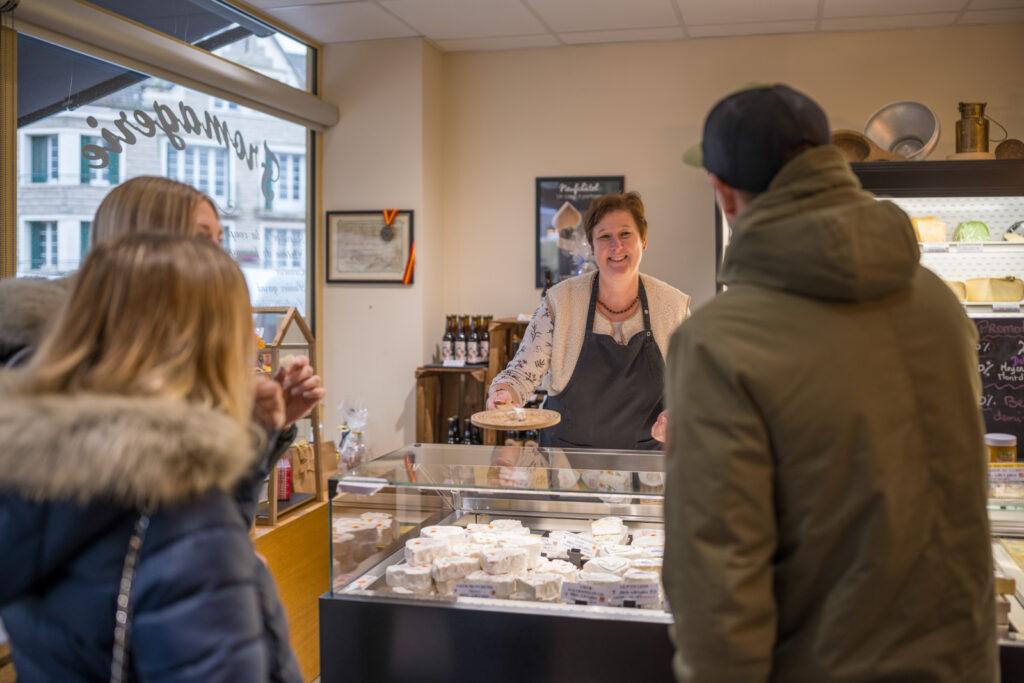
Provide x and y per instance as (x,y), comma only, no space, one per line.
(460,138)
(379,156)
(633,108)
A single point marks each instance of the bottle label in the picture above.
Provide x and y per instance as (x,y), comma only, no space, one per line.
(471,353)
(460,350)
(485,350)
(446,350)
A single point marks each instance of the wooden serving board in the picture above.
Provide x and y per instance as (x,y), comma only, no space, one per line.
(504,419)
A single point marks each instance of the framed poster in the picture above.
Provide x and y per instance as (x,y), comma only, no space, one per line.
(370,246)
(562,248)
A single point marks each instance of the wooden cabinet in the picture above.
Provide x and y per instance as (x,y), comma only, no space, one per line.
(444,392)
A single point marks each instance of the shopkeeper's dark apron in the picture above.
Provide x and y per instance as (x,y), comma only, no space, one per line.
(615,392)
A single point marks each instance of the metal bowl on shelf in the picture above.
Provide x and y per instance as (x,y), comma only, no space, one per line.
(909,129)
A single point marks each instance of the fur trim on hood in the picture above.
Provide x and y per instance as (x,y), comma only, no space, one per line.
(27,305)
(132,451)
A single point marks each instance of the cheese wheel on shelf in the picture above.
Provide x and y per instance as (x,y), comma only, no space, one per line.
(995,289)
(929,229)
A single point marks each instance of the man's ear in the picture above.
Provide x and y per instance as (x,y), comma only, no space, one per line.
(728,199)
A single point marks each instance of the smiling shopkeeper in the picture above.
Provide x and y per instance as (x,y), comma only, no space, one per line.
(602,337)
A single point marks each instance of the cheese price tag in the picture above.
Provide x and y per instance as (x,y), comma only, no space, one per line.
(586,594)
(1006,307)
(474,590)
(1005,472)
(572,541)
(550,547)
(934,248)
(639,594)
(966,248)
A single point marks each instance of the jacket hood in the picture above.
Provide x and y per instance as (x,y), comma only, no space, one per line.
(133,451)
(27,305)
(816,233)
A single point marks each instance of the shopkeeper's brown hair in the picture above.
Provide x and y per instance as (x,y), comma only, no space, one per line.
(153,315)
(625,201)
(148,204)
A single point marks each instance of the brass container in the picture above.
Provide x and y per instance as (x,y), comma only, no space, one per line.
(972,128)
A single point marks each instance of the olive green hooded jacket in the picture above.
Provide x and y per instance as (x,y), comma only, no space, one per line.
(825,509)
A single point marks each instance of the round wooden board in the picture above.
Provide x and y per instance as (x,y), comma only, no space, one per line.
(503,419)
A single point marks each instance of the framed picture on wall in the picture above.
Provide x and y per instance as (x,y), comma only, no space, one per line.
(562,248)
(370,246)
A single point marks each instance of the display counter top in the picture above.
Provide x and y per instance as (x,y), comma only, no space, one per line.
(529,470)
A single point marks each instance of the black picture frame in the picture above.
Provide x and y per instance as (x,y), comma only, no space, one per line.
(552,193)
(368,257)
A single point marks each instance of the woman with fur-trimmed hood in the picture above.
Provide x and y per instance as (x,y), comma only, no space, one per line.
(123,551)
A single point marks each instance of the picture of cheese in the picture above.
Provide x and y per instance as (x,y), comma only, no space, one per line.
(929,229)
(959,289)
(995,289)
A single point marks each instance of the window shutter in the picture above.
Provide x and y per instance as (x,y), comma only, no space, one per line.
(86,227)
(84,172)
(38,231)
(40,158)
(114,169)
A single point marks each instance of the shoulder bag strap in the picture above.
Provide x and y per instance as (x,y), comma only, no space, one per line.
(122,617)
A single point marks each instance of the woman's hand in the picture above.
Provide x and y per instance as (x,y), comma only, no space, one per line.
(268,407)
(301,389)
(659,430)
(502,396)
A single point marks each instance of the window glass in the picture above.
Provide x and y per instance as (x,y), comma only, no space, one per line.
(224,30)
(251,164)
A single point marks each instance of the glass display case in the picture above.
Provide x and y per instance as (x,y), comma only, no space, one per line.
(281,332)
(532,519)
(579,511)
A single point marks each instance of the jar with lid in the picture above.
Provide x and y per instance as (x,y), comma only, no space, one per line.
(1001,447)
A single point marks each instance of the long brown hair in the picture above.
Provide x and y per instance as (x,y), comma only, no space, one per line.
(153,315)
(148,204)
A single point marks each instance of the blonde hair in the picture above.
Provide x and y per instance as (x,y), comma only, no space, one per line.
(154,315)
(148,204)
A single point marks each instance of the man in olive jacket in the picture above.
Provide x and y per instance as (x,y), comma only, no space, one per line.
(825,508)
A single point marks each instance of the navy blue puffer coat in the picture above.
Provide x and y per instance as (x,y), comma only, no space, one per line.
(74,472)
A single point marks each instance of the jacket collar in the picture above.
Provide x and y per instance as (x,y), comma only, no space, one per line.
(132,451)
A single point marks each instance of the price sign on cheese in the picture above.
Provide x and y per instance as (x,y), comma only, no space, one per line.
(1001,366)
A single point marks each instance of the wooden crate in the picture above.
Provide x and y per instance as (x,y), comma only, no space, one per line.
(444,392)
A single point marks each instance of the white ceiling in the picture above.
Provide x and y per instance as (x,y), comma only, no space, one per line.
(454,25)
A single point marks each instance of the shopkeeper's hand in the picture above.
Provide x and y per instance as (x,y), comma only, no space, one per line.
(501,397)
(268,408)
(659,430)
(301,388)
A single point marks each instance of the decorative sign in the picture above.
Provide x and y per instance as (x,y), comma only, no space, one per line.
(562,247)
(169,121)
(370,246)
(1001,364)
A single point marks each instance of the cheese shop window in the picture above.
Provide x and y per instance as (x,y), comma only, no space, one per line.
(86,126)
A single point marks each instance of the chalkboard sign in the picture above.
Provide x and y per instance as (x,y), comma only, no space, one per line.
(1001,363)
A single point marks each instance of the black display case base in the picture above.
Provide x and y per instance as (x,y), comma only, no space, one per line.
(373,642)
